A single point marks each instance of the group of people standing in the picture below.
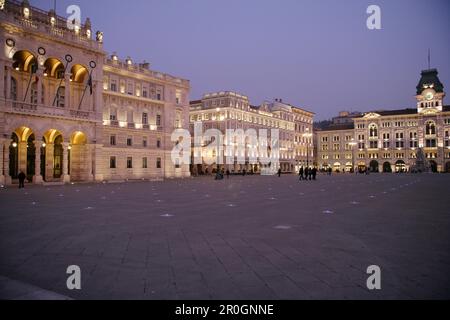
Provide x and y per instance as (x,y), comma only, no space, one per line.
(307,173)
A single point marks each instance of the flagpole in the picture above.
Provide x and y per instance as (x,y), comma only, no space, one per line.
(84,91)
(92,64)
(29,81)
(68,58)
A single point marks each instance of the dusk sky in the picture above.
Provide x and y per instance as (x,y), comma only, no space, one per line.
(314,54)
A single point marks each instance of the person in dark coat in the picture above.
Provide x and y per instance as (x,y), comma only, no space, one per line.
(301,173)
(22,177)
(314,173)
(279,173)
(228,173)
(306,173)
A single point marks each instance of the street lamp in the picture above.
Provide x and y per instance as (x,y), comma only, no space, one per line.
(307,135)
(352,145)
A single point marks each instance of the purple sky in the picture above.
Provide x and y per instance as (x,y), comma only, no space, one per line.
(315,54)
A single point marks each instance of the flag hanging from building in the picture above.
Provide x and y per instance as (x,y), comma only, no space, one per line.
(90,84)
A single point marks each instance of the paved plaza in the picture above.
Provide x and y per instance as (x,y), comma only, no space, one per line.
(253,237)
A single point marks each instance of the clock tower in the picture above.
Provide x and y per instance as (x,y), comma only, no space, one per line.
(430,92)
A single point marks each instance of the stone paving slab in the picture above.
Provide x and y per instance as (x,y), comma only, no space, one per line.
(240,238)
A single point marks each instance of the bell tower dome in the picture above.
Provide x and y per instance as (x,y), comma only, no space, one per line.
(430,92)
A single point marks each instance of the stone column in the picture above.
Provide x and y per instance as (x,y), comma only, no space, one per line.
(22,155)
(2,79)
(89,159)
(65,163)
(7,177)
(2,161)
(49,154)
(97,163)
(37,178)
(67,91)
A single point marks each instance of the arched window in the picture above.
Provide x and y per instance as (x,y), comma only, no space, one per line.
(430,128)
(60,97)
(373,131)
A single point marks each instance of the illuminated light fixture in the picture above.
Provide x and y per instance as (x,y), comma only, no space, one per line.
(10,42)
(77,29)
(88,33)
(52,21)
(129,61)
(14,144)
(44,145)
(26,12)
(45,74)
(17,69)
(69,147)
(114,57)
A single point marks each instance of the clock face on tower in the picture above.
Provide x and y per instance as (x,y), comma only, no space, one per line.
(428,95)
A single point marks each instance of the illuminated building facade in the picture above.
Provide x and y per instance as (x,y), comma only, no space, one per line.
(391,140)
(229,110)
(69,113)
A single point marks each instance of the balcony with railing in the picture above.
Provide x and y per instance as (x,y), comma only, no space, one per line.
(37,20)
(26,108)
(144,69)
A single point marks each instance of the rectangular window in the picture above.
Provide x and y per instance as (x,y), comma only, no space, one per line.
(129,162)
(158,163)
(158,120)
(112,162)
(144,142)
(158,143)
(386,144)
(430,143)
(113,85)
(129,141)
(144,118)
(399,144)
(112,140)
(144,163)
(130,89)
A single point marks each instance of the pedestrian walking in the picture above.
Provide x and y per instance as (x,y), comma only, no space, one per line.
(22,177)
(279,173)
(228,173)
(314,173)
(301,173)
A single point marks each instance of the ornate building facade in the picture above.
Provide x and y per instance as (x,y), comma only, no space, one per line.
(69,113)
(229,110)
(390,141)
